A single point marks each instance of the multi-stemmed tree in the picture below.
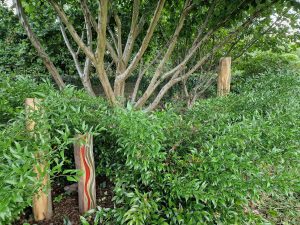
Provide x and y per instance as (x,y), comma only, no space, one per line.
(200,29)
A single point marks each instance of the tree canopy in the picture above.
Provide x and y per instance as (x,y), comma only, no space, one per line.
(157,44)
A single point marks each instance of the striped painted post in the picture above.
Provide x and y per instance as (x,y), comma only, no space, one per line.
(84,161)
(42,202)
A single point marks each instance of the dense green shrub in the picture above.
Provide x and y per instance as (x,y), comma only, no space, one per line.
(18,181)
(62,115)
(251,144)
(13,92)
(262,62)
(226,161)
(215,165)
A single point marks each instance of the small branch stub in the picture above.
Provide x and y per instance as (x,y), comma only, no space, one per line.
(42,202)
(224,76)
(84,161)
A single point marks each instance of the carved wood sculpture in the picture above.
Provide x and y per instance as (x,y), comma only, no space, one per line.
(42,202)
(84,160)
(224,77)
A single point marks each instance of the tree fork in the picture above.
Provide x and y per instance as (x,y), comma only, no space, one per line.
(122,77)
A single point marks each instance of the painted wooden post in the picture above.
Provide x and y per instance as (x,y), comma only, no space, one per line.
(84,161)
(42,202)
(224,76)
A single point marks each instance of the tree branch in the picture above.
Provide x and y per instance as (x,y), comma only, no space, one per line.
(111,33)
(101,44)
(60,12)
(208,16)
(133,30)
(73,53)
(137,84)
(88,14)
(145,42)
(158,71)
(119,36)
(87,65)
(102,22)
(203,86)
(112,52)
(83,74)
(175,79)
(37,45)
(254,40)
(82,38)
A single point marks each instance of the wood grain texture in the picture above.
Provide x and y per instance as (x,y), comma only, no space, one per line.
(84,160)
(224,76)
(42,202)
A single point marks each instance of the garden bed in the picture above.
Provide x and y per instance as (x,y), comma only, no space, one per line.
(65,205)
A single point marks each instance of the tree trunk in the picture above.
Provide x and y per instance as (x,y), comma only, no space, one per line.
(85,80)
(109,93)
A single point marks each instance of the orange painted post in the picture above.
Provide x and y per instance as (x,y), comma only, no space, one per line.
(84,161)
(224,76)
(42,202)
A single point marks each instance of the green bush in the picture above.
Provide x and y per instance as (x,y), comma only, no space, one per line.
(62,115)
(215,165)
(229,160)
(262,62)
(13,92)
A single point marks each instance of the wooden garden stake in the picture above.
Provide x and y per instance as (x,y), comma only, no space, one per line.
(84,161)
(42,203)
(224,76)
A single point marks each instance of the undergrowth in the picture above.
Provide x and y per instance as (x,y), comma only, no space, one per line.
(229,160)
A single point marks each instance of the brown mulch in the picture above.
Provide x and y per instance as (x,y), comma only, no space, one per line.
(67,207)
